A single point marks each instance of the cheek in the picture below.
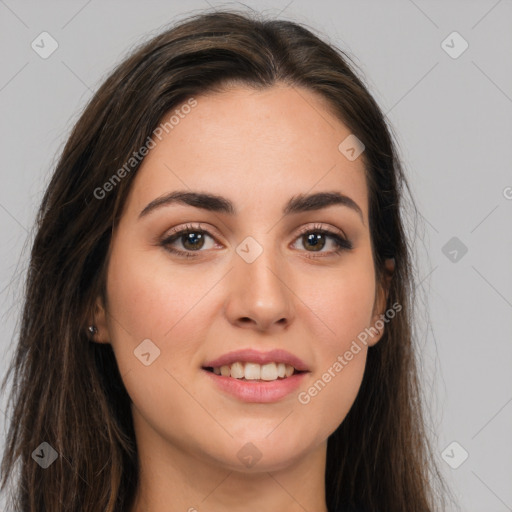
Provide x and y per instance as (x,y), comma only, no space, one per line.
(149,299)
(344,304)
(343,301)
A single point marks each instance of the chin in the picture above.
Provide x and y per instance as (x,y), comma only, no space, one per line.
(254,454)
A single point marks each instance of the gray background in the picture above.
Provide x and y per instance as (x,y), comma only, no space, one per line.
(453,121)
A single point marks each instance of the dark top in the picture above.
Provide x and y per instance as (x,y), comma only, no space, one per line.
(352,509)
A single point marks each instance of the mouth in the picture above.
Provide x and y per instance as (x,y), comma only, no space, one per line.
(251,375)
(248,381)
(255,372)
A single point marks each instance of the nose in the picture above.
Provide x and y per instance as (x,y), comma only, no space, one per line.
(259,294)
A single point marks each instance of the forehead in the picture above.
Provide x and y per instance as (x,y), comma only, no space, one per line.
(256,146)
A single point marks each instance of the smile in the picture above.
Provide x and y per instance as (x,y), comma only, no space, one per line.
(255,371)
(255,389)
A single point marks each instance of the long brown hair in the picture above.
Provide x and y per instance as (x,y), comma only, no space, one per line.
(68,391)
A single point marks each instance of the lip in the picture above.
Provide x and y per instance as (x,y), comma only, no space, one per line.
(250,355)
(257,391)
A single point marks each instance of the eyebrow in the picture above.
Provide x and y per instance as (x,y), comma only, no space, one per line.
(214,203)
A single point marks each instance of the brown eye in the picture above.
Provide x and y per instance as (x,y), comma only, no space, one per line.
(193,241)
(189,240)
(315,240)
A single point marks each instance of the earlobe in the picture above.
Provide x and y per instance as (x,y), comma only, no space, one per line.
(97,328)
(382,297)
(389,269)
(389,266)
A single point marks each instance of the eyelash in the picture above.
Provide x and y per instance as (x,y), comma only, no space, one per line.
(342,244)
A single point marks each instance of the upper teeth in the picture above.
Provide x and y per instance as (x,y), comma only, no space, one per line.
(255,371)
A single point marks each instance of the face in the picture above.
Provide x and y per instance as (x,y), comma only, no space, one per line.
(250,275)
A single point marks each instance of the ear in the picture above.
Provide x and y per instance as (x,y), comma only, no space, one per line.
(381,299)
(100,322)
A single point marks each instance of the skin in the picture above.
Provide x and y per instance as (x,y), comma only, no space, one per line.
(258,149)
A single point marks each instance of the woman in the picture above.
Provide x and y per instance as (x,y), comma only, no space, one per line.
(218,306)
